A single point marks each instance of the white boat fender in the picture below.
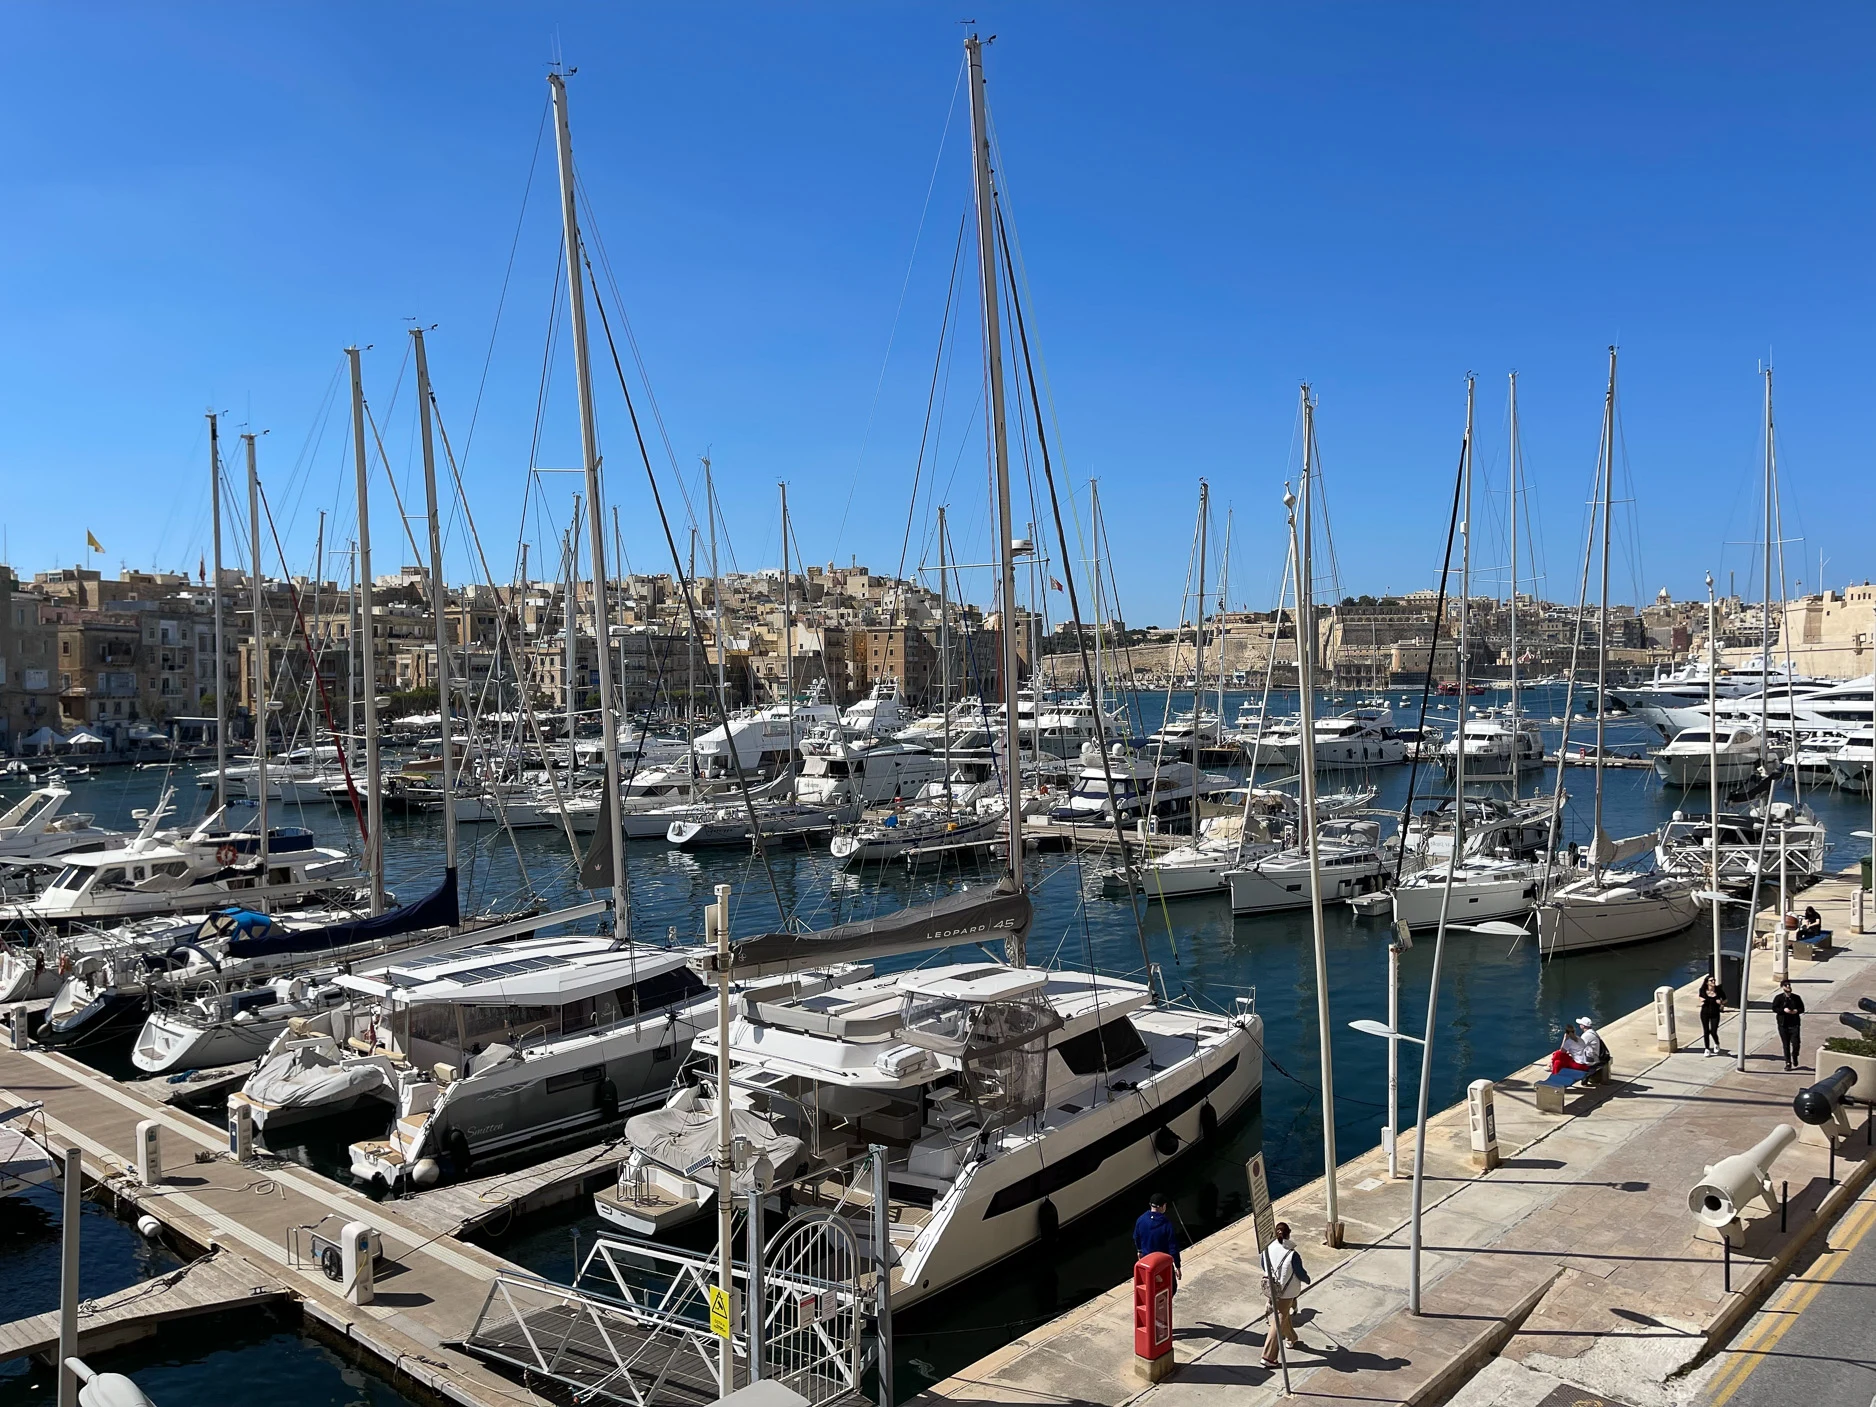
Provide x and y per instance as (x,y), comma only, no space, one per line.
(149,1227)
(425,1172)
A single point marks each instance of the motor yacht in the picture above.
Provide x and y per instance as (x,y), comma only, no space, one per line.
(1850,767)
(1495,747)
(1142,787)
(836,771)
(1688,760)
(37,827)
(1361,737)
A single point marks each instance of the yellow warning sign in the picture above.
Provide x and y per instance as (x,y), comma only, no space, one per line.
(719,1311)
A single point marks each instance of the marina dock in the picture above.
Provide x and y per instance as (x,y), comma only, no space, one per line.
(1574,1265)
(430,1286)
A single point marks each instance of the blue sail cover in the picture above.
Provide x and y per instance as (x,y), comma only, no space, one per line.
(437,909)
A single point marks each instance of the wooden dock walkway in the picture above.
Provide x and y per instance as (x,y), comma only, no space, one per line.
(483,1203)
(430,1287)
(212,1285)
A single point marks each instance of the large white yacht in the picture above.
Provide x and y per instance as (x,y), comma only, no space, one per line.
(34,828)
(1361,737)
(1142,787)
(1495,747)
(871,771)
(765,740)
(1850,767)
(1011,1101)
(1695,754)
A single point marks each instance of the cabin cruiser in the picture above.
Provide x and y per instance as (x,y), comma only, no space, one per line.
(871,771)
(34,829)
(881,714)
(1689,686)
(500,1046)
(1494,747)
(1188,735)
(1361,737)
(1065,726)
(1011,1101)
(238,775)
(1142,787)
(1263,823)
(918,828)
(1754,845)
(1349,859)
(1688,760)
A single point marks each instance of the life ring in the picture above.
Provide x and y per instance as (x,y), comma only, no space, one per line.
(226,855)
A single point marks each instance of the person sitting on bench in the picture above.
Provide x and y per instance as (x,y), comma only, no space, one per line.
(1812,924)
(1578,1052)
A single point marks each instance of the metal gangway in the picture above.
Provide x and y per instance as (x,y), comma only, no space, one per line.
(634,1327)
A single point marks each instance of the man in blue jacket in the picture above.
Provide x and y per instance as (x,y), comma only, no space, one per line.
(1154,1232)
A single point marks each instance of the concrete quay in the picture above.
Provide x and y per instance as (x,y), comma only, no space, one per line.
(1574,1267)
(430,1286)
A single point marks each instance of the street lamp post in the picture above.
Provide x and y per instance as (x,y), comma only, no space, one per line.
(1391,1033)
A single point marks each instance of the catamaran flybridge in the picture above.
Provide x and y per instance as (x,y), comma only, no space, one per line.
(1010,1100)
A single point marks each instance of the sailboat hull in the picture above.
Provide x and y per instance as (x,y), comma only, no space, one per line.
(1585,916)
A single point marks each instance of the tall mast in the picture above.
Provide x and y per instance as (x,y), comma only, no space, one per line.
(716,585)
(1198,651)
(221,668)
(260,649)
(1599,841)
(1099,691)
(1306,684)
(368,651)
(439,600)
(351,646)
(1224,591)
(570,653)
(1765,619)
(595,519)
(999,449)
(788,644)
(1516,738)
(1464,662)
(944,652)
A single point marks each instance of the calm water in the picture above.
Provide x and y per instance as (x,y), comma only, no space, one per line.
(1500,1006)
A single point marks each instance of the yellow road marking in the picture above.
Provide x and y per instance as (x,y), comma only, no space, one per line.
(1783,1311)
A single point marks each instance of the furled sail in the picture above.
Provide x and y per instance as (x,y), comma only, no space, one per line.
(437,909)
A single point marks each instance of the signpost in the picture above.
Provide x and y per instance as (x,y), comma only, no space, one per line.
(1264,1218)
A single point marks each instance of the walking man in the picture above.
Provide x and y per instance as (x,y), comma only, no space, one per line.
(1788,1007)
(1154,1231)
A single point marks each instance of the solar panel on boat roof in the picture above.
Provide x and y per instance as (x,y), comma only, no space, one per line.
(513,968)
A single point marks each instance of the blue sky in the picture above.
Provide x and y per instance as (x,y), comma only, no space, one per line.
(1213,204)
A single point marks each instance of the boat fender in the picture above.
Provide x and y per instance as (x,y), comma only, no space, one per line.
(332,1263)
(1208,1120)
(1048,1221)
(425,1172)
(608,1100)
(1166,1142)
(149,1227)
(457,1146)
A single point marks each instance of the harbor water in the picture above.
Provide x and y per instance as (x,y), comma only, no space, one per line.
(1500,1007)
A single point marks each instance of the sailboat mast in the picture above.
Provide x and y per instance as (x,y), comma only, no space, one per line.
(221,669)
(1765,618)
(595,518)
(439,600)
(1099,692)
(1602,609)
(999,448)
(570,646)
(260,648)
(1198,649)
(788,643)
(368,648)
(1517,739)
(716,581)
(1306,769)
(944,652)
(1224,591)
(1465,637)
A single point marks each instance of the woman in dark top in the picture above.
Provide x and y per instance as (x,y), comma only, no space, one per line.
(1712,1002)
(1788,1008)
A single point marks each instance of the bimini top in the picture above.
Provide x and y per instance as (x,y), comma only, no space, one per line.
(975,987)
(524,972)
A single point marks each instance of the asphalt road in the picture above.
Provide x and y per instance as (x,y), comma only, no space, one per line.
(1811,1345)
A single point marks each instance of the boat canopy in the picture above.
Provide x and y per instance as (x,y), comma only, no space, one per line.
(972,916)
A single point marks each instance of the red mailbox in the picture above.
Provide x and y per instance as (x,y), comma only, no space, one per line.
(1152,1305)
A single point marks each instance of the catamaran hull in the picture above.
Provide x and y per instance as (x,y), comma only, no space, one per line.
(995,1213)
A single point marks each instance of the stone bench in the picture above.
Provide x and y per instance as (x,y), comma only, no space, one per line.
(1814,947)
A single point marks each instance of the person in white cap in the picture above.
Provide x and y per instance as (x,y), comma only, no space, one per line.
(1594,1052)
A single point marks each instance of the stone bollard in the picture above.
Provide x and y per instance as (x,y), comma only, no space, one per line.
(1666,1037)
(1484,1124)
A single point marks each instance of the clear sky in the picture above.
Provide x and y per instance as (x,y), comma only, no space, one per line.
(205,204)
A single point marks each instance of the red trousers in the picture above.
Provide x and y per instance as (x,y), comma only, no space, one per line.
(1560,1061)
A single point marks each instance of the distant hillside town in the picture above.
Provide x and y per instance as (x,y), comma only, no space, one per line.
(130,661)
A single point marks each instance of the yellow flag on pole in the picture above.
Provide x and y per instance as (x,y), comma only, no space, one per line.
(92,542)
